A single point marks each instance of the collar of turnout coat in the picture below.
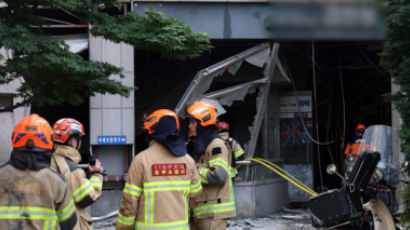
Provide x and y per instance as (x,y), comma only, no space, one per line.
(68,151)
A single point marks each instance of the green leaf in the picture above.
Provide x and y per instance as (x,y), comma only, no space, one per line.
(396,58)
(53,75)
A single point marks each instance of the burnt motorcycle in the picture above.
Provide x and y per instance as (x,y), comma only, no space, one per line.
(367,198)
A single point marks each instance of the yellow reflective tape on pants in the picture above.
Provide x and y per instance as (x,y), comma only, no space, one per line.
(202,174)
(95,181)
(195,187)
(66,212)
(132,189)
(177,225)
(214,208)
(82,191)
(125,220)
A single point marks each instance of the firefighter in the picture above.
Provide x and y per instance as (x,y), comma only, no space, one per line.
(352,148)
(67,133)
(236,149)
(216,203)
(33,196)
(161,179)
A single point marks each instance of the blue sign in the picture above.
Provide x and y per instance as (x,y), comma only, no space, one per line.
(304,102)
(111,140)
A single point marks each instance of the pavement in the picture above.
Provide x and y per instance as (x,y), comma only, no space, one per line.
(289,220)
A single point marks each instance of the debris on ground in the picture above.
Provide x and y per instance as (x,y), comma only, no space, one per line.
(284,220)
(277,221)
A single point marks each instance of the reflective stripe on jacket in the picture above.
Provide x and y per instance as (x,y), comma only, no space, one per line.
(157,190)
(35,200)
(215,201)
(84,191)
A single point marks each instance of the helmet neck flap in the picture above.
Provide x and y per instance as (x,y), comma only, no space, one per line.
(199,144)
(167,133)
(30,160)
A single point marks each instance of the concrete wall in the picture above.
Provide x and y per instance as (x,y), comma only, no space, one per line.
(112,115)
(294,20)
(9,119)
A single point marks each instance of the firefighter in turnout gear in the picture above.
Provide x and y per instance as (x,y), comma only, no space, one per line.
(236,150)
(67,135)
(216,203)
(161,179)
(352,148)
(32,195)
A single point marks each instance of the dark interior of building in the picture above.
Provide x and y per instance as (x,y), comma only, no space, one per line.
(349,83)
(350,87)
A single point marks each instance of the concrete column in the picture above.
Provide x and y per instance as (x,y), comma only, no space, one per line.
(112,115)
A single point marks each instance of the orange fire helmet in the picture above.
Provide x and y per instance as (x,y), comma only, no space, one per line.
(32,133)
(64,128)
(204,111)
(360,127)
(152,120)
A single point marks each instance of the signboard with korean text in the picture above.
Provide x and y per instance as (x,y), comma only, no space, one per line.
(112,140)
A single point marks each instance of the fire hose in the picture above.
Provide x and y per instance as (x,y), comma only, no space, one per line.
(285,175)
(270,165)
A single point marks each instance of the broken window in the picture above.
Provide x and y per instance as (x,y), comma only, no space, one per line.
(260,56)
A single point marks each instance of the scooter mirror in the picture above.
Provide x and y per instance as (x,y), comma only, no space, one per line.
(331,169)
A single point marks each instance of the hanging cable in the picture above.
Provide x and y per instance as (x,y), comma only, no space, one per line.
(301,118)
(329,150)
(342,90)
(315,103)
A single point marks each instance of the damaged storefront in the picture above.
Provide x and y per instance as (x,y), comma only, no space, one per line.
(291,85)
